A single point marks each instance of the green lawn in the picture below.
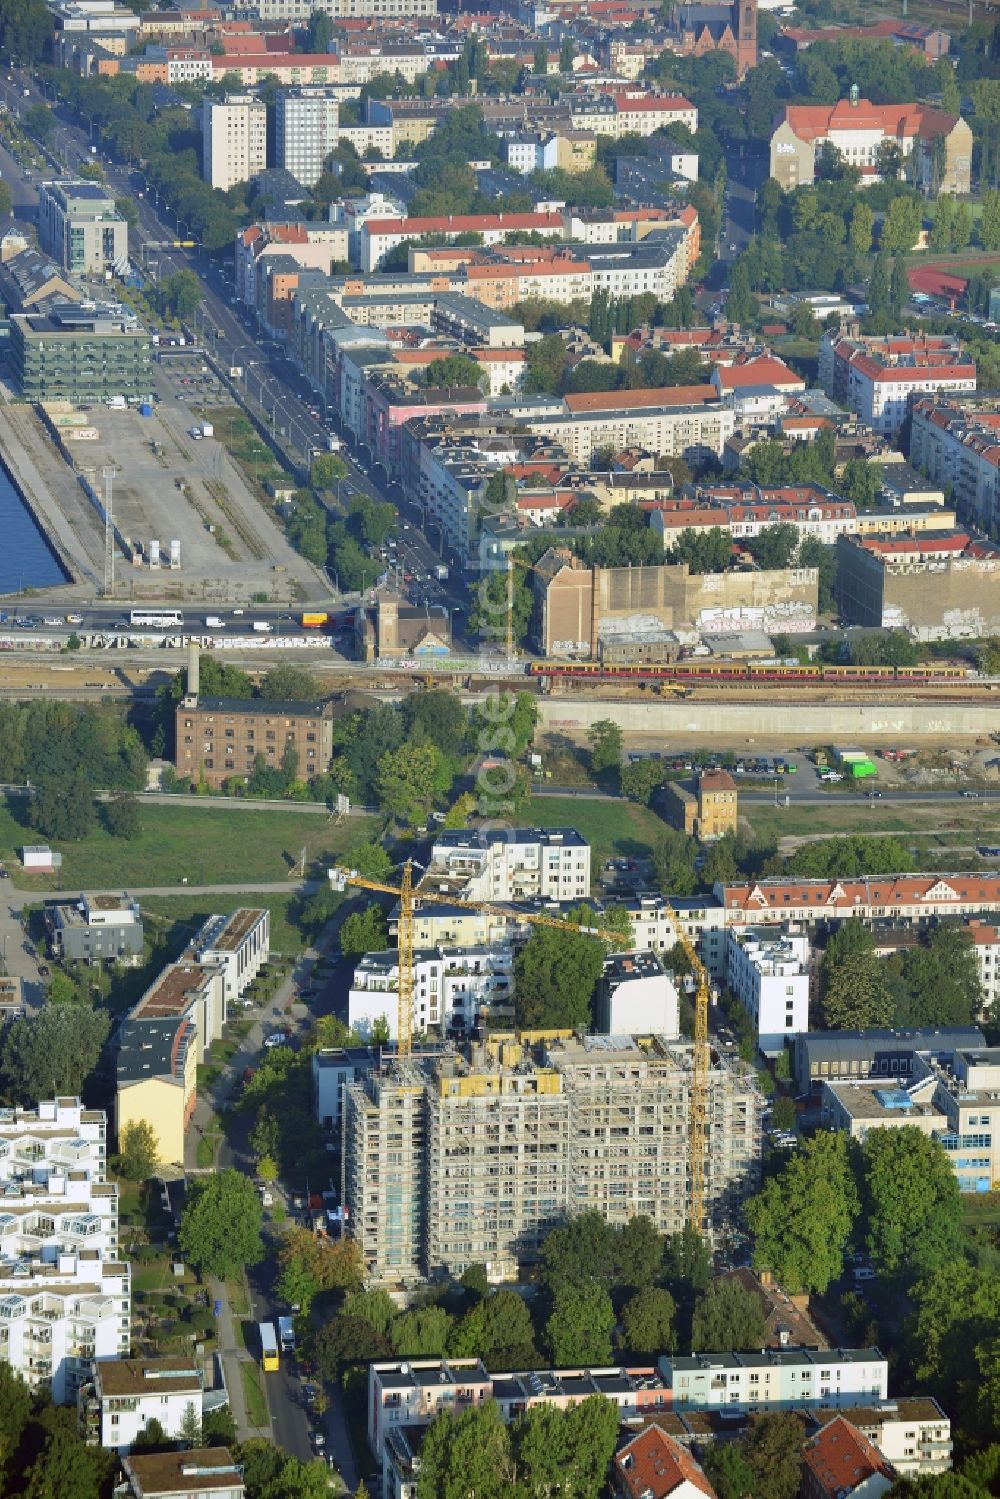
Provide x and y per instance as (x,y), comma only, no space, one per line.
(253,1393)
(190,911)
(942,822)
(205,1151)
(612,828)
(981,1209)
(201,844)
(154,1276)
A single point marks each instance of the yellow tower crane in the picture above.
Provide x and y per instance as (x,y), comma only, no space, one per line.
(408,896)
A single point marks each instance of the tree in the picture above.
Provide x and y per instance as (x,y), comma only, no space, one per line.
(704,551)
(605,740)
(407,780)
(347,1340)
(290,684)
(937,1486)
(941,976)
(581,1250)
(63,810)
(52,1052)
(578,1330)
(422,1332)
(773,1448)
(270,1473)
(138,1151)
(741,304)
(374,1306)
(566,1452)
(39,121)
(728,1471)
(902,224)
(452,371)
(640,778)
(878,288)
(862,226)
(899,287)
(65,1467)
(673,859)
(802,1218)
(989,222)
(648,1322)
(854,993)
(638,1253)
(364,931)
(727,1316)
(309,1265)
(555,976)
(220,1226)
(541,59)
(566,54)
(499,1330)
(776,545)
(438,716)
(469,1454)
(911,1204)
(190,1429)
(121,815)
(320,32)
(687,1263)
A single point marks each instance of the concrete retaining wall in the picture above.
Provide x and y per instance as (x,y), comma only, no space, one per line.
(789,722)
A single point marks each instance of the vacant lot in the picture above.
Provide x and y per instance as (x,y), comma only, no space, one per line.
(613,828)
(937,822)
(203,845)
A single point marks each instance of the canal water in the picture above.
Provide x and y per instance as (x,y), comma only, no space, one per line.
(26,559)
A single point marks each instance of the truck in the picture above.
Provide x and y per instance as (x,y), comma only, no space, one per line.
(333,443)
(286,1335)
(207,430)
(315,620)
(215,622)
(235,371)
(268,1347)
(441,573)
(262,626)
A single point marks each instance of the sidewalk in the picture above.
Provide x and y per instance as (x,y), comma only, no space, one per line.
(232,1355)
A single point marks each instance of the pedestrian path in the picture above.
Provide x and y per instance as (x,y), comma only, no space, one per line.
(233,1354)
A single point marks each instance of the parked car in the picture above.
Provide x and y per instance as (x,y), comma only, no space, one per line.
(276,1038)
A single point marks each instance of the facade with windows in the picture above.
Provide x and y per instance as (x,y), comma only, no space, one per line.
(306,129)
(768,972)
(221,738)
(511,864)
(80,227)
(234,140)
(86,353)
(776,1379)
(126,1394)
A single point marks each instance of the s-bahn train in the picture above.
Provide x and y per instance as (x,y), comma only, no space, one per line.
(750,673)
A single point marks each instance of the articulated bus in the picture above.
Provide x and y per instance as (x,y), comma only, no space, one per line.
(268,1347)
(156,619)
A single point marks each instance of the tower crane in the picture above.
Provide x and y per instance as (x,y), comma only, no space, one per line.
(409,895)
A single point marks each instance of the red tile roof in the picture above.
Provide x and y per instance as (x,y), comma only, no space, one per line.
(933,891)
(462,222)
(816,121)
(764,370)
(654,1464)
(631,400)
(839,1458)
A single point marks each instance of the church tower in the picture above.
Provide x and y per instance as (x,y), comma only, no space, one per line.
(746,35)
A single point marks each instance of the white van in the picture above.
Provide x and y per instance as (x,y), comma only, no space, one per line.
(862,1273)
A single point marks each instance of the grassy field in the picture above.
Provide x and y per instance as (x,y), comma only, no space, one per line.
(208,844)
(188,912)
(940,823)
(253,456)
(612,828)
(253,1393)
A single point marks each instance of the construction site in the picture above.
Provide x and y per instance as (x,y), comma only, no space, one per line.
(454,1157)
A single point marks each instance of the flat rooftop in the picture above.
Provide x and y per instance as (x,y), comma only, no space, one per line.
(175,1473)
(237,927)
(143,1376)
(172,991)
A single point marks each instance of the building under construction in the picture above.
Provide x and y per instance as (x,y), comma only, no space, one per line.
(452,1158)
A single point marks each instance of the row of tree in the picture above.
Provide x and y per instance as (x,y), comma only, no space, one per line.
(932,983)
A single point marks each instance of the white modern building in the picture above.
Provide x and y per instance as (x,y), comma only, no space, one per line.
(776,1379)
(80,227)
(636,996)
(126,1394)
(452,989)
(237,945)
(234,140)
(64,1297)
(306,127)
(512,864)
(768,972)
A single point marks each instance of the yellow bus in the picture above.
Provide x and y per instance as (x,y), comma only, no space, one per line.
(268,1347)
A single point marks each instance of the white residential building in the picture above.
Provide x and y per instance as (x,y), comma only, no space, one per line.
(452,988)
(126,1394)
(912,1432)
(237,945)
(306,125)
(234,140)
(64,1297)
(776,1379)
(768,972)
(507,864)
(636,996)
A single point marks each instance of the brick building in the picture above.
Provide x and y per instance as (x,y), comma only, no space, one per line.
(219,738)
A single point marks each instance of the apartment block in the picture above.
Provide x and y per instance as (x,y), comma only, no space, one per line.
(220,739)
(237,945)
(940,144)
(234,140)
(453,990)
(875,376)
(911,1431)
(768,972)
(126,1394)
(936,586)
(80,227)
(415,1392)
(840,1461)
(636,995)
(81,352)
(956,441)
(306,123)
(343,10)
(200,1473)
(456,1158)
(64,1297)
(919,898)
(507,864)
(679,421)
(776,1379)
(95,929)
